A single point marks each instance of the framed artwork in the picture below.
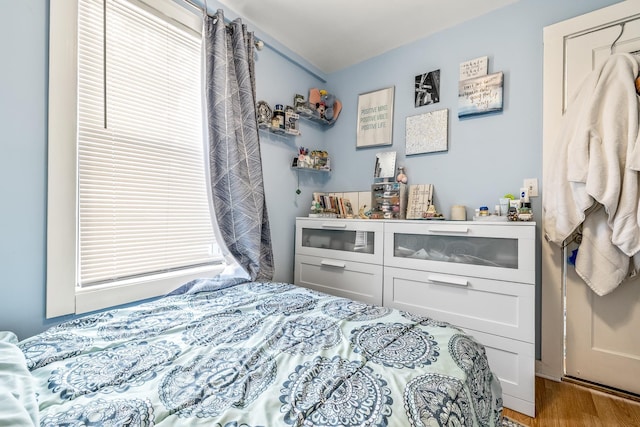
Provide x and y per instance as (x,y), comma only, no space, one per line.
(375,118)
(480,95)
(474,68)
(427,88)
(427,133)
(420,198)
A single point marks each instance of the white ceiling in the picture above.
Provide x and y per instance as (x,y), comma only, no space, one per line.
(335,34)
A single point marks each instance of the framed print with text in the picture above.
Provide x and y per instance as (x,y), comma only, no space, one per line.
(480,95)
(375,118)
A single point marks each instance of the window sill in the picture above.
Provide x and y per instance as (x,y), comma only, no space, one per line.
(100,297)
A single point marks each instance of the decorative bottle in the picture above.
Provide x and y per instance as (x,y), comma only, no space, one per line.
(401,177)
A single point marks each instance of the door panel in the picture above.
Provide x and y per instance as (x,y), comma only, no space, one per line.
(602,334)
(602,342)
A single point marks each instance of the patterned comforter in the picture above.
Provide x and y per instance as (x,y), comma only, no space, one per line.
(260,354)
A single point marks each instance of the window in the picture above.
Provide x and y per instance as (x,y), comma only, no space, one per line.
(128,215)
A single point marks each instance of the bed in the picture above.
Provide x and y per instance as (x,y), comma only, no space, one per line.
(251,354)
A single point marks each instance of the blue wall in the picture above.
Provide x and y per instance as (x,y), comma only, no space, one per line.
(24,28)
(487,156)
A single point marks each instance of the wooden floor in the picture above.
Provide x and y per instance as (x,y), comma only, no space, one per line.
(564,404)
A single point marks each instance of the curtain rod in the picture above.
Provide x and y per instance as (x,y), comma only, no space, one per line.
(275,45)
(258,43)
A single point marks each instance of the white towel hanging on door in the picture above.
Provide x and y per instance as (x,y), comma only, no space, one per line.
(596,163)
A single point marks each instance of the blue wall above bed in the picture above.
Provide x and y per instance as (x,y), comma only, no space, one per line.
(487,156)
(24,28)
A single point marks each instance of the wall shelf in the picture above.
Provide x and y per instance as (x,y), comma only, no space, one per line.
(279,131)
(326,168)
(308,114)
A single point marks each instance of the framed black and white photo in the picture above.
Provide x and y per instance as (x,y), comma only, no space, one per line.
(375,118)
(427,88)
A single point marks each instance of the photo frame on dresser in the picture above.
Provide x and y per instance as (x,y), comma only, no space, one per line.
(420,198)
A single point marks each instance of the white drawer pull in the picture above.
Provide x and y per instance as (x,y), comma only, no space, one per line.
(448,280)
(338,225)
(330,263)
(449,229)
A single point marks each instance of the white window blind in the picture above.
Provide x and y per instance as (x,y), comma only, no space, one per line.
(142,198)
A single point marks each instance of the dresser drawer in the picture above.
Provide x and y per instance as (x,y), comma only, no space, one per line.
(513,362)
(345,239)
(503,251)
(491,306)
(358,281)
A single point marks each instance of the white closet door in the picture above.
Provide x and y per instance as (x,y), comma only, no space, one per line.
(602,343)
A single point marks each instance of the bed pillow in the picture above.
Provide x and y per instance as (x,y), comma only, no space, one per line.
(18,403)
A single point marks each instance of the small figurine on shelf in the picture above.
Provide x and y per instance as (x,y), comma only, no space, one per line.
(264,113)
(299,103)
(513,214)
(291,120)
(362,213)
(525,213)
(431,213)
(316,208)
(332,105)
(303,160)
(278,117)
(324,106)
(320,160)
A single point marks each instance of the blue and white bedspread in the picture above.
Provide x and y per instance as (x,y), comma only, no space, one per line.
(260,354)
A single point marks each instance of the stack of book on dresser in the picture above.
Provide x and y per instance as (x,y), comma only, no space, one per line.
(331,205)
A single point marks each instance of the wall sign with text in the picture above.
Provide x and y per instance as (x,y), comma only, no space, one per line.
(375,118)
(480,95)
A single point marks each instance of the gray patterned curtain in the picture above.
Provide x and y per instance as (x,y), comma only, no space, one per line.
(235,168)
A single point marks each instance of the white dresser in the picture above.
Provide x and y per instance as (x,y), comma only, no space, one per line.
(479,276)
(340,257)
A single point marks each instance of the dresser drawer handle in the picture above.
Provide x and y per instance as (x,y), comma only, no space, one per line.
(449,280)
(336,264)
(450,229)
(338,225)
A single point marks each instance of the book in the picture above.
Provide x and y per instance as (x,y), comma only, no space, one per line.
(334,203)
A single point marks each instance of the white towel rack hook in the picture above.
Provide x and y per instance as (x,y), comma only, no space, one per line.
(617,38)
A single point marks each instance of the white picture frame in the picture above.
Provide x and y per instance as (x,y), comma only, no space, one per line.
(375,118)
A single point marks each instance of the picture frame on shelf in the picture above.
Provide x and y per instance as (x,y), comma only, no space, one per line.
(420,198)
(375,118)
